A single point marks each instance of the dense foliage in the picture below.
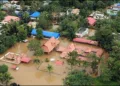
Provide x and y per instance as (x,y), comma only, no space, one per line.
(34,45)
(78,78)
(69,24)
(5,77)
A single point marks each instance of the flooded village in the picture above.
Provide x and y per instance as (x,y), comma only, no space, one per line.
(61,42)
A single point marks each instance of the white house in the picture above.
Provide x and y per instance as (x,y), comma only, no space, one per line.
(4,1)
(73,11)
(46,2)
(98,15)
(82,32)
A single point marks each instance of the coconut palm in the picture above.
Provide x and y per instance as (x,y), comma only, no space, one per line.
(37,62)
(5,78)
(50,68)
(95,62)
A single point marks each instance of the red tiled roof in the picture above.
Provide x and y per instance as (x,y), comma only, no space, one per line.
(9,18)
(25,59)
(50,44)
(91,21)
(83,40)
(70,48)
(60,49)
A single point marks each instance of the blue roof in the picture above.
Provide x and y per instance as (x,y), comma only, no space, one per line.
(35,14)
(34,32)
(3,1)
(50,34)
(118,4)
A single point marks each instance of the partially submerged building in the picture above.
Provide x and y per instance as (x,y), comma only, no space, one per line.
(50,45)
(98,15)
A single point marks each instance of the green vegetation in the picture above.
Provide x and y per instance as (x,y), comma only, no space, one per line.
(37,62)
(5,77)
(3,68)
(50,68)
(44,20)
(78,78)
(46,60)
(73,59)
(39,33)
(34,45)
(69,24)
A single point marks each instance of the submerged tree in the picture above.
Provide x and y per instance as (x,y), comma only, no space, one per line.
(39,52)
(73,59)
(39,33)
(33,45)
(50,68)
(5,77)
(95,63)
(37,62)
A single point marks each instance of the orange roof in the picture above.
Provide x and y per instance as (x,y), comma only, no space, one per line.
(9,18)
(50,44)
(60,49)
(70,48)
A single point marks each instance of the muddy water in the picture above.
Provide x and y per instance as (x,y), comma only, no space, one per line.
(28,73)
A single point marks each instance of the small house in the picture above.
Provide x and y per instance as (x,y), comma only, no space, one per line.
(4,1)
(112,12)
(50,44)
(32,24)
(98,15)
(73,11)
(14,1)
(8,19)
(82,32)
(91,21)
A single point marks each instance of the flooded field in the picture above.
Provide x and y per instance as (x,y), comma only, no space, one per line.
(28,73)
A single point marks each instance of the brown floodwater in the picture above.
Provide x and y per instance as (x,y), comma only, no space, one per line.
(28,73)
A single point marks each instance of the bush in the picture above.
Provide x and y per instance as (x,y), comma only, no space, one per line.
(46,60)
(39,33)
(3,68)
(2,48)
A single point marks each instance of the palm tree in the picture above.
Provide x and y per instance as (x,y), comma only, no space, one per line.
(95,62)
(37,62)
(50,68)
(73,59)
(5,78)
